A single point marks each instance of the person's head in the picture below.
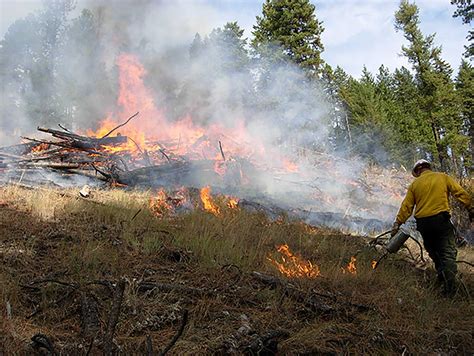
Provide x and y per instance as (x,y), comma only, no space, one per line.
(420,166)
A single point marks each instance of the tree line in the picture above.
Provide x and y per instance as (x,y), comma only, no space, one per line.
(424,111)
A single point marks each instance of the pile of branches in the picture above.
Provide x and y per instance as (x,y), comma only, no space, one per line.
(68,155)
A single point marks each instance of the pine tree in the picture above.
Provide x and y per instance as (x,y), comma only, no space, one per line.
(289,30)
(333,81)
(437,98)
(230,46)
(465,10)
(465,90)
(196,47)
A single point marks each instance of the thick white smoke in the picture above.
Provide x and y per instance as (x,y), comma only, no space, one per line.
(282,110)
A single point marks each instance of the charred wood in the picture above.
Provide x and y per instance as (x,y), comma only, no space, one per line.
(41,341)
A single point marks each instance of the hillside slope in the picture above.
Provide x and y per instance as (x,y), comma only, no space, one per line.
(65,260)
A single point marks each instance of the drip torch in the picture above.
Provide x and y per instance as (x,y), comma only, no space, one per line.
(395,242)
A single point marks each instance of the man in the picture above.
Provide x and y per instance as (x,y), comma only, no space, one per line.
(428,195)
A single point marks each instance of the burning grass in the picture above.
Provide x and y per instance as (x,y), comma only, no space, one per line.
(204,263)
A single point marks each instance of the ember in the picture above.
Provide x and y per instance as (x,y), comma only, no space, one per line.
(293,266)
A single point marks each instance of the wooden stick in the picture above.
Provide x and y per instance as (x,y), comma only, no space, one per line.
(115,128)
(222,152)
(184,321)
(64,128)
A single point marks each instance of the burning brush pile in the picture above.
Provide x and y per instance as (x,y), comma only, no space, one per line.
(148,151)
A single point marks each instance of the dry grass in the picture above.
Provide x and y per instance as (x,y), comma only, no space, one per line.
(57,235)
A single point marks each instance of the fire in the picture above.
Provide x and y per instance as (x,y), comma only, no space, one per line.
(159,204)
(290,166)
(233,203)
(208,202)
(40,147)
(163,204)
(182,136)
(373,264)
(292,265)
(351,267)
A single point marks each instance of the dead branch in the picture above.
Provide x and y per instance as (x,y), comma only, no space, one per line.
(164,154)
(149,346)
(468,263)
(222,151)
(64,128)
(113,318)
(54,165)
(40,309)
(119,126)
(144,287)
(184,321)
(90,322)
(309,300)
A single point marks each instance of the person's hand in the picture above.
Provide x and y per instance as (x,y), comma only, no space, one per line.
(395,228)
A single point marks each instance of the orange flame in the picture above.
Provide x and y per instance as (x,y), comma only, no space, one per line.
(233,203)
(290,166)
(351,267)
(292,265)
(181,136)
(159,204)
(373,264)
(208,202)
(40,147)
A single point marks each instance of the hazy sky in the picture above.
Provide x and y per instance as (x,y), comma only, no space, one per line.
(357,33)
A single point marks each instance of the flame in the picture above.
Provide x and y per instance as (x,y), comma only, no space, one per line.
(40,147)
(373,264)
(292,265)
(181,136)
(208,202)
(233,203)
(159,204)
(289,165)
(351,267)
(163,204)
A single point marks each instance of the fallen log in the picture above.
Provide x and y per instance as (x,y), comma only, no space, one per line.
(54,165)
(79,141)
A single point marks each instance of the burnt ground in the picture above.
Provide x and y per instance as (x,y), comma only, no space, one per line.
(106,277)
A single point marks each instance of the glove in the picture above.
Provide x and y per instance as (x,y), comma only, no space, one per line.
(395,228)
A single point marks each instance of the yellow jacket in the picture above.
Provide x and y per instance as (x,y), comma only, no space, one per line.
(429,195)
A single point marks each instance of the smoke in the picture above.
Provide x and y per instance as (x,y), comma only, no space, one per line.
(209,78)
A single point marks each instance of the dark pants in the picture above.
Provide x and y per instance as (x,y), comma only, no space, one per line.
(439,240)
